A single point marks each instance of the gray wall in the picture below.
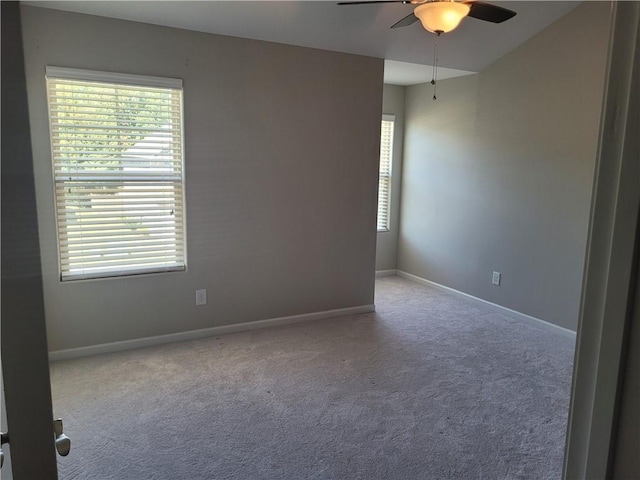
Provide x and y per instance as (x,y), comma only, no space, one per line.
(281,154)
(387,248)
(498,171)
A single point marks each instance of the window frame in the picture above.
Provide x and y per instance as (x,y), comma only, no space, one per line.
(179,237)
(386,117)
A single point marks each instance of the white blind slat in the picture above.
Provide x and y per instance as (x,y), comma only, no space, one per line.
(99,242)
(88,136)
(118,172)
(71,237)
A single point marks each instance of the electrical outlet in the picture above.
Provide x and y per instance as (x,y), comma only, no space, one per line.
(201,297)
(496,278)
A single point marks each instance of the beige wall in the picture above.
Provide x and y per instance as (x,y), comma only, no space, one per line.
(281,154)
(387,247)
(498,171)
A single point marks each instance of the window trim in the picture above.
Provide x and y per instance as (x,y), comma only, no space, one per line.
(134,80)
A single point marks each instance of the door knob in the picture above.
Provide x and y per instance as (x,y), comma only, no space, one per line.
(63,443)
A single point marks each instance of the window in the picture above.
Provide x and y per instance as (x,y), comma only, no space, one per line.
(384,183)
(116,143)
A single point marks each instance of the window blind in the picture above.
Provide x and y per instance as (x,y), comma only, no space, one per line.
(384,182)
(117,151)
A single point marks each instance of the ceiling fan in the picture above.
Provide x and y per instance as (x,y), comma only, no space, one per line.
(442,16)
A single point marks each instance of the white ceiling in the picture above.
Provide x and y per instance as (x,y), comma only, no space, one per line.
(361,29)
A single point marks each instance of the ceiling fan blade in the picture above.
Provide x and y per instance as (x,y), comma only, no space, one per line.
(365,2)
(406,21)
(489,13)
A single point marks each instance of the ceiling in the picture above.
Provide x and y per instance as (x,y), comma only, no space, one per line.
(361,29)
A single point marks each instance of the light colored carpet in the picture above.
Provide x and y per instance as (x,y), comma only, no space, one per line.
(432,386)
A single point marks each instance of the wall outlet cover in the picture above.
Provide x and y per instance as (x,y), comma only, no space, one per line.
(201,297)
(496,278)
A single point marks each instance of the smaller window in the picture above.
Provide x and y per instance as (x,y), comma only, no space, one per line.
(384,182)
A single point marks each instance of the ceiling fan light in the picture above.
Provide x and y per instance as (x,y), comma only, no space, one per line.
(441,17)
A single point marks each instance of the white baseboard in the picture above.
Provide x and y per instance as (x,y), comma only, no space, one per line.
(499,308)
(202,333)
(386,273)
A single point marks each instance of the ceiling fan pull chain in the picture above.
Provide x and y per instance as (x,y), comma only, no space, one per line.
(434,78)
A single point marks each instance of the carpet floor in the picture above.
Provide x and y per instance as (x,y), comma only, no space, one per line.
(431,386)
